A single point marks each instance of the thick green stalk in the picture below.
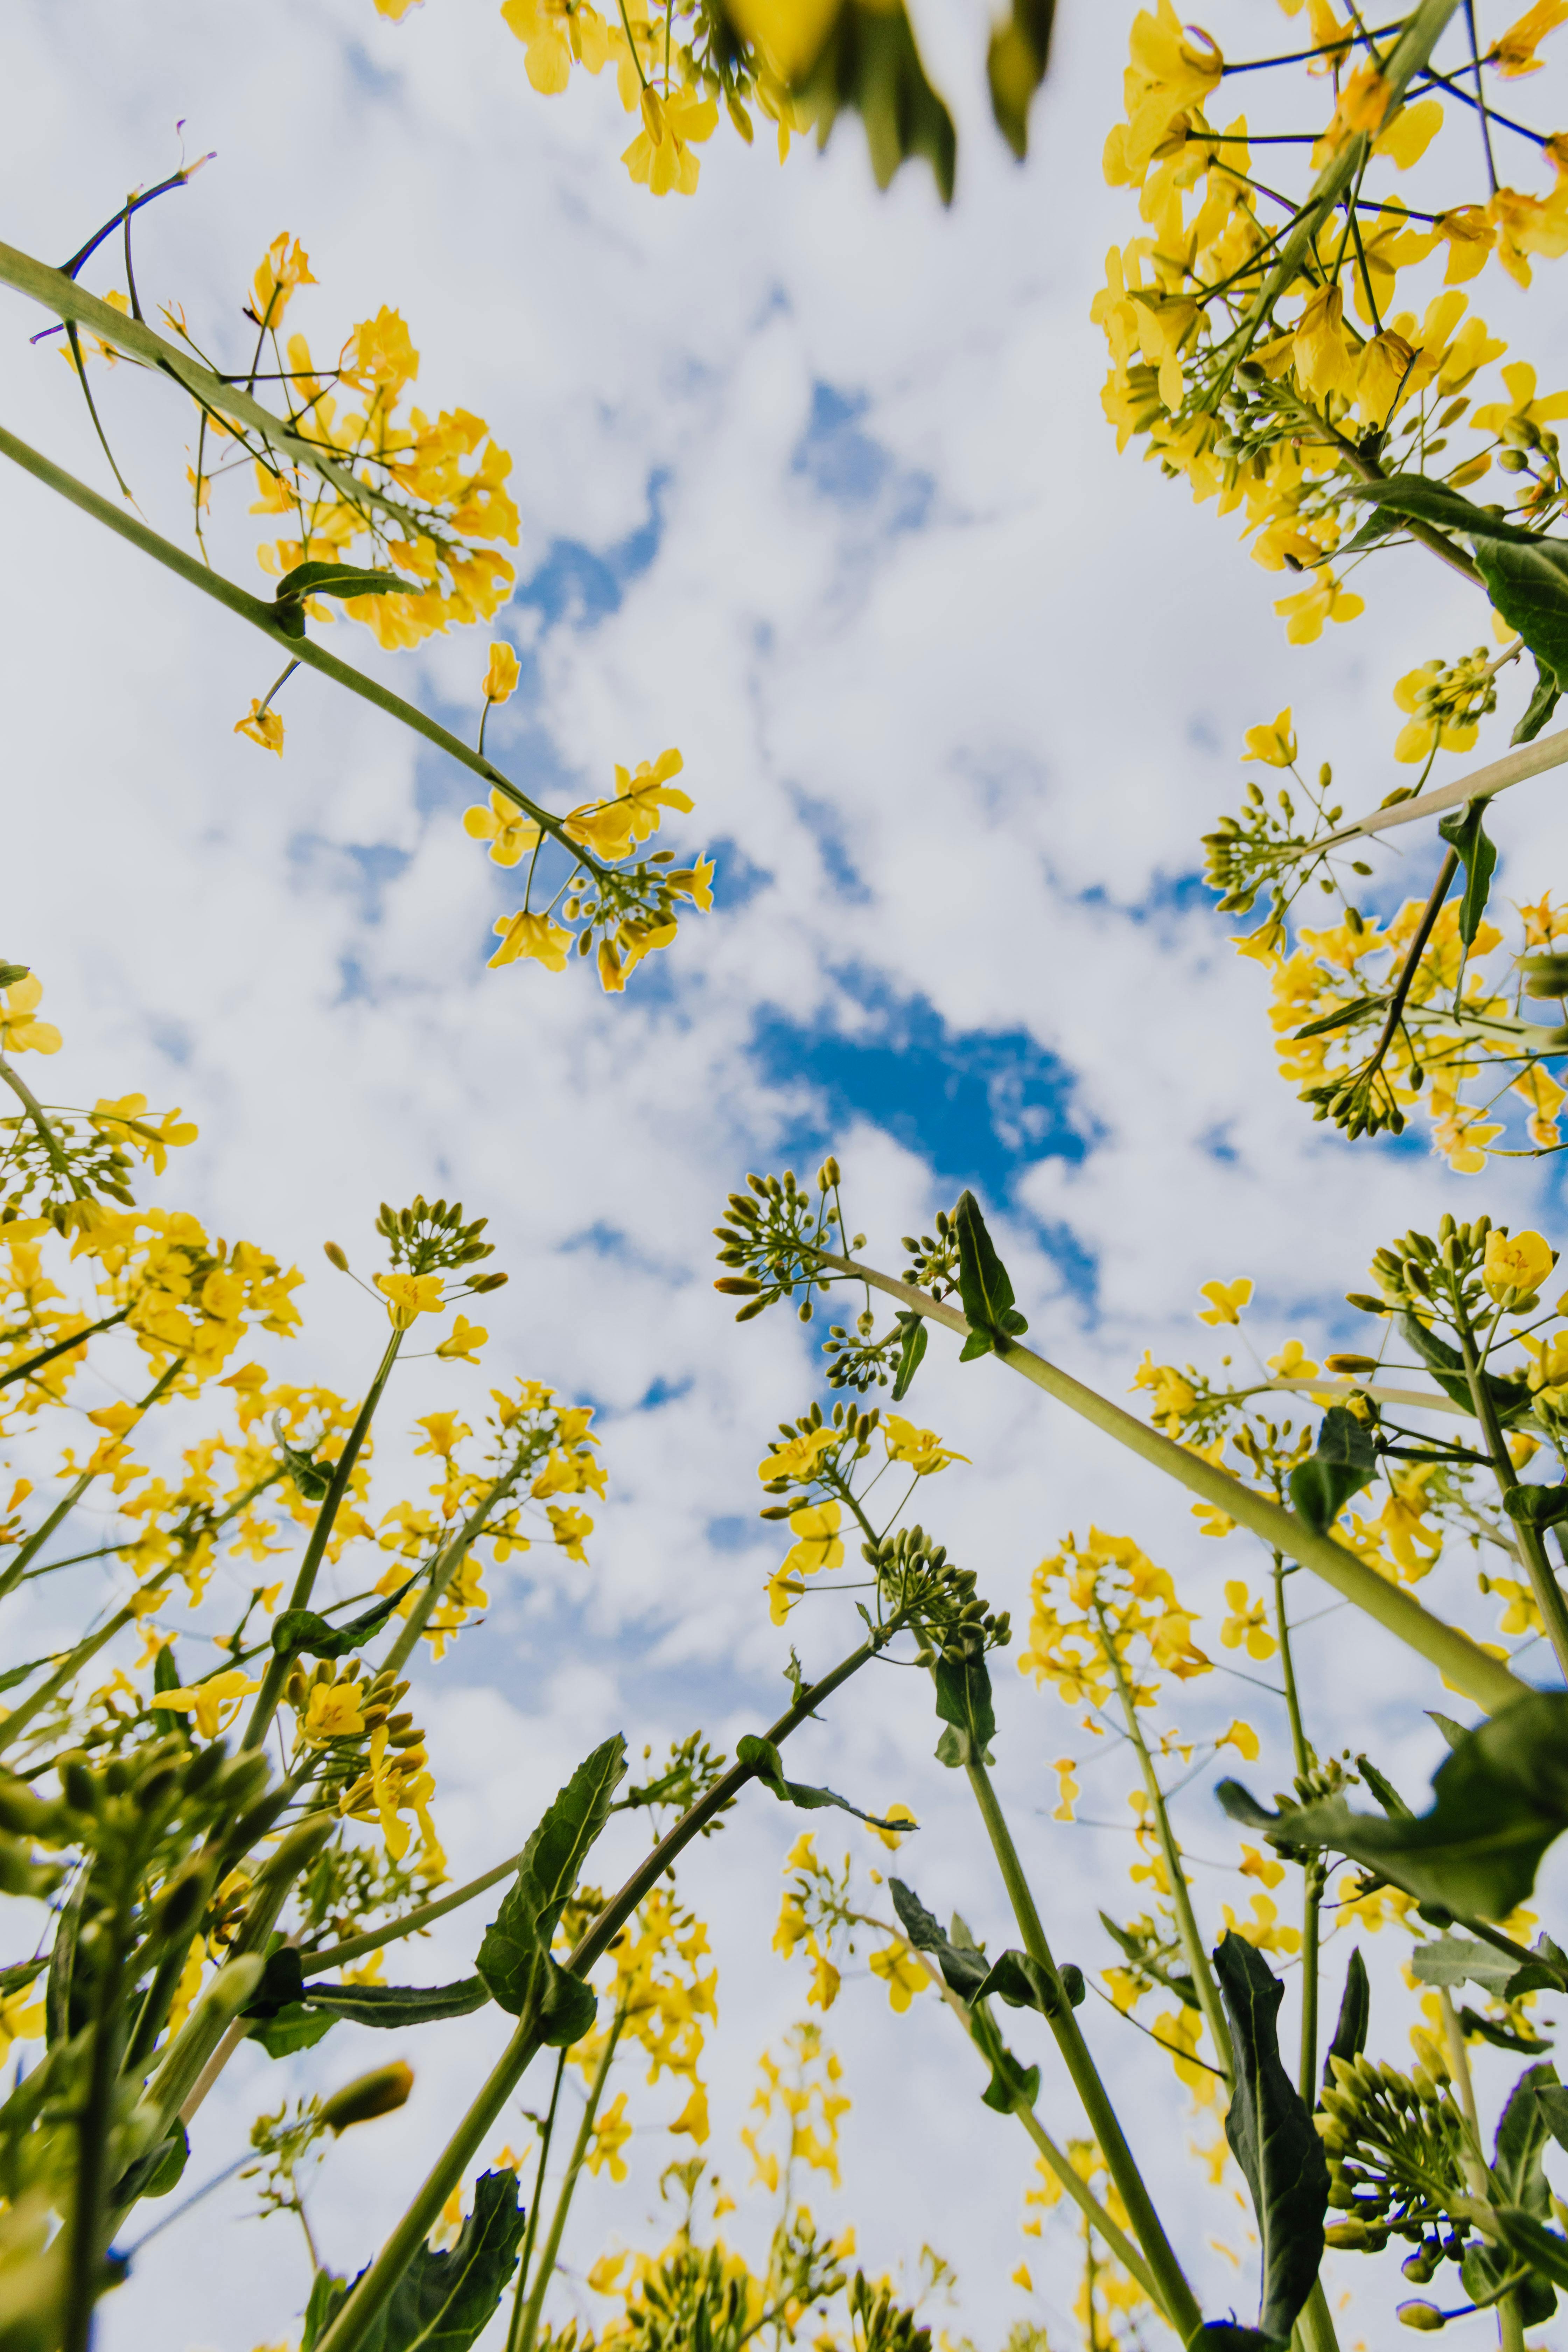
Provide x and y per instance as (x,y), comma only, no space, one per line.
(519,2294)
(16,1568)
(277,1673)
(1186,1921)
(1176,2297)
(353,1947)
(448,1563)
(369,2298)
(84,2269)
(61,1348)
(529,2334)
(1462,1662)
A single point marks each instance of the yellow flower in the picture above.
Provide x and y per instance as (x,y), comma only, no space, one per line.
(893,1813)
(1262,1928)
(797,1457)
(921,1449)
(791,32)
(1254,1864)
(19,1033)
(659,158)
(463,1342)
(20,2020)
(1247,1622)
(1304,615)
(408,1295)
(1241,1736)
(818,1543)
(1021,2278)
(1226,1299)
(1413,129)
(1292,1362)
(1518,1261)
(500,678)
(263,727)
(282,267)
(509,833)
(333,1712)
(1513,53)
(215,1702)
(610,828)
(1276,745)
(825,1978)
(605,2272)
(523,934)
(1325,358)
(611,2133)
(902,1973)
(692,2120)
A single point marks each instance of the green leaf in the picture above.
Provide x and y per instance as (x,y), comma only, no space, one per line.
(1460,1960)
(1553,2106)
(983,1284)
(1501,2037)
(1464,831)
(1546,1970)
(1452,1732)
(1383,1790)
(345,580)
(963,1701)
(1500,1800)
(963,1969)
(292,2027)
(909,1355)
(1543,2249)
(1023,1983)
(765,1756)
(1355,2008)
(1543,701)
(515,1959)
(394,2007)
(1536,1506)
(1273,2138)
(10,974)
(1526,575)
(1339,1018)
(1016,67)
(1435,502)
(442,2303)
(1173,1979)
(869,63)
(1344,1461)
(300,1632)
(154,2174)
(1511,1399)
(1011,2084)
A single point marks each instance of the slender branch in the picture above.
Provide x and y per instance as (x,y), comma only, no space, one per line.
(337,1956)
(1411,964)
(1548,1594)
(527,2335)
(446,1567)
(62,1347)
(1516,767)
(519,2297)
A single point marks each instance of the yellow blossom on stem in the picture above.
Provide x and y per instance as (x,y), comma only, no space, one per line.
(900,1972)
(1517,1262)
(214,1703)
(463,1342)
(19,1033)
(526,935)
(1292,1362)
(503,824)
(1226,1298)
(919,1449)
(1274,744)
(611,2132)
(1247,1624)
(408,1295)
(891,1837)
(263,727)
(501,676)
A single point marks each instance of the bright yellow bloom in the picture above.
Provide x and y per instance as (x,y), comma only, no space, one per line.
(921,1449)
(1326,359)
(408,1295)
(1305,614)
(900,1972)
(1413,129)
(692,2118)
(1226,1299)
(500,678)
(791,32)
(611,828)
(509,833)
(1518,1261)
(1292,1362)
(19,1033)
(1241,1736)
(1276,744)
(1262,1929)
(215,1702)
(263,727)
(797,1457)
(817,1541)
(283,266)
(463,1342)
(659,158)
(1254,1864)
(611,2132)
(1248,1622)
(891,1813)
(21,2019)
(525,934)
(333,1712)
(825,1978)
(1021,2278)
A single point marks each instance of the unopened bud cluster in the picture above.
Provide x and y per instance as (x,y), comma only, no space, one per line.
(1394,2146)
(916,1577)
(434,1239)
(776,1233)
(933,1257)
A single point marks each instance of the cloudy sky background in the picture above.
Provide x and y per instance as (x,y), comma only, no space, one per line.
(814,484)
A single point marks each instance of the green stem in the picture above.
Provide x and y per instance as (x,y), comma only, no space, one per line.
(311,1964)
(1175,2296)
(264,617)
(1312,1897)
(363,2306)
(1510,2325)
(34,1109)
(61,1348)
(525,2259)
(1531,1541)
(1463,1663)
(547,2259)
(445,1568)
(1187,1920)
(84,2264)
(277,1673)
(1316,2322)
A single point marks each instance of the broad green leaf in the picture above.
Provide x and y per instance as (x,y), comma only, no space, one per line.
(444,2302)
(1435,502)
(300,1632)
(1016,67)
(1522,2135)
(292,2027)
(963,1969)
(1344,1461)
(1546,1970)
(1464,831)
(1543,2249)
(1500,1800)
(909,1355)
(1510,1398)
(396,2006)
(1273,2138)
(1460,1960)
(1350,2030)
(1543,701)
(869,63)
(963,1701)
(765,1756)
(1553,2106)
(1023,1983)
(515,1959)
(983,1284)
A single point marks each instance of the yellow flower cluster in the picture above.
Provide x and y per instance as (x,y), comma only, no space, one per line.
(1101,1599)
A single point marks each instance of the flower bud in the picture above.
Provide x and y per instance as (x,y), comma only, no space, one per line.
(1424,2316)
(380,2092)
(336,1256)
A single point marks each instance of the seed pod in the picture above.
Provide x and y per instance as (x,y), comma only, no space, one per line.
(380,2092)
(1424,2316)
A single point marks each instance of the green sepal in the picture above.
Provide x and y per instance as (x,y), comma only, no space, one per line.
(300,1632)
(442,2303)
(514,1958)
(911,1349)
(1465,832)
(769,1767)
(1500,1798)
(1273,2138)
(984,1286)
(1543,702)
(1344,1461)
(963,1701)
(1023,1983)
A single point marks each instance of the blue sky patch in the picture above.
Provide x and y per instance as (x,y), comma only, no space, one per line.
(843,462)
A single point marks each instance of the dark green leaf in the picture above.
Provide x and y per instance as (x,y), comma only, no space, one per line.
(19,1975)
(1228,2336)
(58,2020)
(1340,1016)
(300,1632)
(165,1671)
(1465,832)
(1344,1461)
(345,580)
(1355,2008)
(1511,1399)
(1501,2037)
(1500,1800)
(1435,502)
(444,2302)
(963,1970)
(292,2028)
(395,2006)
(1553,2106)
(1522,2135)
(154,2174)
(283,1983)
(1527,580)
(1460,1960)
(311,1477)
(910,1354)
(983,1284)
(1023,1983)
(749,1749)
(1452,1732)
(1383,1790)
(1011,2086)
(963,1700)
(1545,1971)
(1016,67)
(1543,2249)
(1273,2138)
(515,1959)
(1536,1506)
(1543,701)
(870,64)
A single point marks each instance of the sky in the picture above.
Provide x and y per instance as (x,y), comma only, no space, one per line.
(815,485)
